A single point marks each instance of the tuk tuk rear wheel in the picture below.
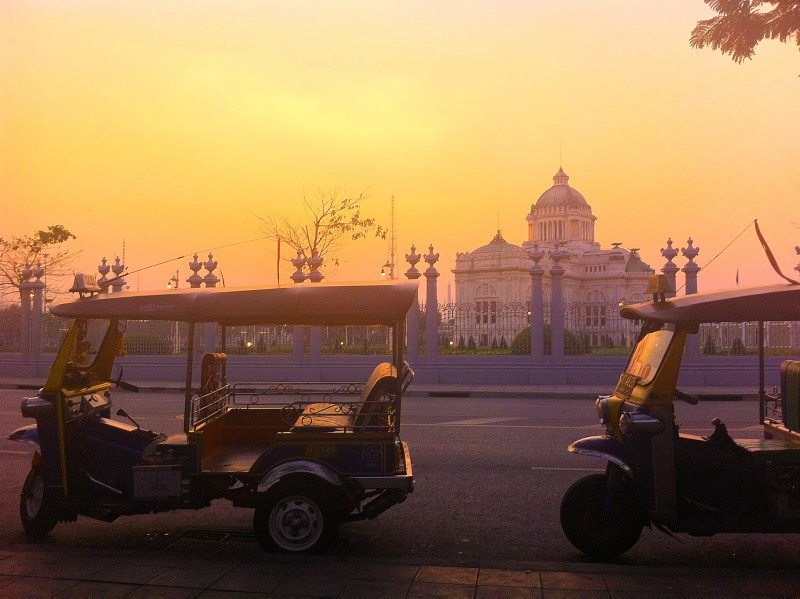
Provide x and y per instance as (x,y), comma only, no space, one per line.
(602,524)
(36,507)
(297,516)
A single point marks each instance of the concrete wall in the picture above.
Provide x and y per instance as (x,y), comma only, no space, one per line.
(603,371)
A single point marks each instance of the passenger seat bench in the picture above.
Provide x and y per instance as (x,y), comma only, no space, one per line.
(359,416)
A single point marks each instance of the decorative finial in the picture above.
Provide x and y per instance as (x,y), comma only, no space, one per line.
(412,259)
(690,252)
(298,276)
(210,279)
(195,279)
(315,276)
(669,252)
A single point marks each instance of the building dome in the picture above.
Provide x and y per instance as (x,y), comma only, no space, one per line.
(561,195)
(497,244)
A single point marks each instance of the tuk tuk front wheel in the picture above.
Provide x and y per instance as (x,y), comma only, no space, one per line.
(601,523)
(297,516)
(36,506)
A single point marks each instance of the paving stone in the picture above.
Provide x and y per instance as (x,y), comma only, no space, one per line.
(448,575)
(435,589)
(368,589)
(509,578)
(579,581)
(153,592)
(31,587)
(97,589)
(387,572)
(507,592)
(259,578)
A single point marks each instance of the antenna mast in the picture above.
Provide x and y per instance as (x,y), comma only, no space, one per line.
(392,245)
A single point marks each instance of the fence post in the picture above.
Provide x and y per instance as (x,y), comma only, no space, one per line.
(412,330)
(537,304)
(690,270)
(431,307)
(670,268)
(298,332)
(557,303)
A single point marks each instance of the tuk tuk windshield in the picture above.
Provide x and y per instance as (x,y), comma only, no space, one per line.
(89,335)
(648,355)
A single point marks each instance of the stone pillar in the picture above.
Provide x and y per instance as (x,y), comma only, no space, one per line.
(209,329)
(557,303)
(412,329)
(315,333)
(537,304)
(431,306)
(25,313)
(298,332)
(37,288)
(117,283)
(670,268)
(690,270)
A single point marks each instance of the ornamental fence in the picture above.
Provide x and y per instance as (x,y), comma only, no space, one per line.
(480,328)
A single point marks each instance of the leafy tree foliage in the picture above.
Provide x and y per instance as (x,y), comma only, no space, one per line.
(45,248)
(741,24)
(332,218)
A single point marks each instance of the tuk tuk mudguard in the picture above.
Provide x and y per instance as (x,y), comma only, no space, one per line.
(605,448)
(27,434)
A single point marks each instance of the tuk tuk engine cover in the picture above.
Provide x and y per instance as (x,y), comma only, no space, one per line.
(157,482)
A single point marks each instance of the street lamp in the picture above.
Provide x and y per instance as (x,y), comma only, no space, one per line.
(173,282)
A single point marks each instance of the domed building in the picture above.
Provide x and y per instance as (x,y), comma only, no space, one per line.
(493,282)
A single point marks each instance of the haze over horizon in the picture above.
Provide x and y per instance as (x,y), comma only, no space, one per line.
(172,125)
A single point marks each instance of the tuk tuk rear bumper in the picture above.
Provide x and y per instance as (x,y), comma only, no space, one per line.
(606,448)
(404,482)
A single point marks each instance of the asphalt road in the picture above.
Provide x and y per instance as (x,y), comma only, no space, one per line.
(490,474)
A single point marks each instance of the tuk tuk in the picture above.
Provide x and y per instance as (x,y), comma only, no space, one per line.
(679,483)
(304,456)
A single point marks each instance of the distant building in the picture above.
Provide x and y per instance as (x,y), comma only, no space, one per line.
(493,282)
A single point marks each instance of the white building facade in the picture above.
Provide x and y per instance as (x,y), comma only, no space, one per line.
(493,282)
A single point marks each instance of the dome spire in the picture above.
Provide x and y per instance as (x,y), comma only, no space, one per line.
(561,178)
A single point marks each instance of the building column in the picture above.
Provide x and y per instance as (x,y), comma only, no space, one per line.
(537,305)
(412,328)
(431,306)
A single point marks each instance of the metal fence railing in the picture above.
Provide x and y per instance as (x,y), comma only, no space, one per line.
(484,327)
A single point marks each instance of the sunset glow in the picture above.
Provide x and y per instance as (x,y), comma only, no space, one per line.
(172,124)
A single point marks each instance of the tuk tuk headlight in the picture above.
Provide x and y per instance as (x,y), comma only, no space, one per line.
(603,410)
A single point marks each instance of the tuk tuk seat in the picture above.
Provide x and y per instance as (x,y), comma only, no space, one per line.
(359,416)
(771,450)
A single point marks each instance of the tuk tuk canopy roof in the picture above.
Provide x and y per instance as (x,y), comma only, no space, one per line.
(754,304)
(300,304)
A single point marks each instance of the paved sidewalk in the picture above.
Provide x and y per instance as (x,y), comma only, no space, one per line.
(454,390)
(188,570)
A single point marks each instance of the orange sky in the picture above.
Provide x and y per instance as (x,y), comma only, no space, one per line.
(170,124)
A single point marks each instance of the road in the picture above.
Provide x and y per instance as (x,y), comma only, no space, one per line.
(490,474)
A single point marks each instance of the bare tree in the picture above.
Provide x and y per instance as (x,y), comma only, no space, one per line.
(43,248)
(332,218)
(741,24)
